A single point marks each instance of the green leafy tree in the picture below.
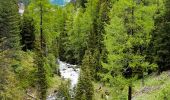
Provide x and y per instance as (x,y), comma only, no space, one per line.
(127,37)
(40,7)
(64,90)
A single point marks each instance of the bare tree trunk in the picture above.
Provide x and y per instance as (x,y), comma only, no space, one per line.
(130,92)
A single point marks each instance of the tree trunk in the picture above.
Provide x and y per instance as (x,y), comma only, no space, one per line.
(130,92)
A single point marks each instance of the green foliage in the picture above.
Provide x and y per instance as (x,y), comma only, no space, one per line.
(9,24)
(127,37)
(48,18)
(50,68)
(46,63)
(18,73)
(27,32)
(41,77)
(9,85)
(116,35)
(25,69)
(161,36)
(156,87)
(85,88)
(63,90)
(81,3)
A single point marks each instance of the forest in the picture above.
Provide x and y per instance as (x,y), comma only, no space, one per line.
(84,49)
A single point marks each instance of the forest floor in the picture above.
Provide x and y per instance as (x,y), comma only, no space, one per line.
(156,87)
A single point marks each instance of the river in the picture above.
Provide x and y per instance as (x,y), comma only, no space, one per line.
(67,71)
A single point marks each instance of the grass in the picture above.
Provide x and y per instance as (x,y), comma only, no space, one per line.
(54,84)
(156,87)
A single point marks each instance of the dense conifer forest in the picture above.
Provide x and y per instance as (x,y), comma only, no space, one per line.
(84,49)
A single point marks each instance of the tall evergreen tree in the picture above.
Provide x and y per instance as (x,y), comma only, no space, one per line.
(9,46)
(63,41)
(9,24)
(41,37)
(161,37)
(127,37)
(85,89)
(126,40)
(28,32)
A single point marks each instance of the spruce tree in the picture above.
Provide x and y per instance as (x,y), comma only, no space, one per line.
(9,24)
(161,37)
(85,90)
(94,19)
(63,40)
(9,46)
(28,32)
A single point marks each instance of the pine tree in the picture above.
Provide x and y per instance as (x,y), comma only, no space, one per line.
(93,20)
(84,89)
(28,32)
(63,39)
(42,41)
(9,24)
(161,37)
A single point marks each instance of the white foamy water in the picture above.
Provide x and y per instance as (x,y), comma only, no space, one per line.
(70,72)
(67,71)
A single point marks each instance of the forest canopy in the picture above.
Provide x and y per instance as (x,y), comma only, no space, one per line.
(116,47)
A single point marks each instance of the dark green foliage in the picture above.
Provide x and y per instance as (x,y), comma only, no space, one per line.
(81,3)
(65,54)
(122,39)
(9,23)
(9,39)
(161,38)
(62,41)
(64,91)
(41,76)
(28,32)
(71,41)
(85,88)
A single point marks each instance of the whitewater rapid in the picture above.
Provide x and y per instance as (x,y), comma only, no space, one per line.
(67,72)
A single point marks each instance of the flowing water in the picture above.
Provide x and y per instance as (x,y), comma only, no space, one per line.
(70,72)
(67,71)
